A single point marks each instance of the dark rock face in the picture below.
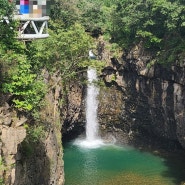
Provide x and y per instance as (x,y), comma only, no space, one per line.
(152,100)
(40,164)
(74,117)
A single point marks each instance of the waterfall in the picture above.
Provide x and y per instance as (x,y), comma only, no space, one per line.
(91,107)
(92,139)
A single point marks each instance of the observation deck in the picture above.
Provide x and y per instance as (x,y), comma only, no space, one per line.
(32,27)
(32,19)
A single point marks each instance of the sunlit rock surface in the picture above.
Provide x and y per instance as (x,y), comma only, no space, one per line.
(23,162)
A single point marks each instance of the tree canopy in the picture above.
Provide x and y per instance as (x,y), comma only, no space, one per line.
(159,24)
(22,63)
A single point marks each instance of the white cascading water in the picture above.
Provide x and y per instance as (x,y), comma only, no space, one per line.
(92,139)
(91,107)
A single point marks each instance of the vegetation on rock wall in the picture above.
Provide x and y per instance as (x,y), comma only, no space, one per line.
(22,64)
(63,51)
(159,24)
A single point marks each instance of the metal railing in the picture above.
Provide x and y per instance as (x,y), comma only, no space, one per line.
(31,28)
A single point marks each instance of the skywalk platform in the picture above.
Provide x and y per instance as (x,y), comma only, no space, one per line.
(32,28)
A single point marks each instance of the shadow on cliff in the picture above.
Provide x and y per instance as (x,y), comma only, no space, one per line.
(33,165)
(173,159)
(175,163)
(73,131)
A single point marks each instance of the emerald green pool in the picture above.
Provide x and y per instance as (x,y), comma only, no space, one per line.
(115,165)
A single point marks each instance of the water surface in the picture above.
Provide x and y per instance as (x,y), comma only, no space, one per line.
(113,165)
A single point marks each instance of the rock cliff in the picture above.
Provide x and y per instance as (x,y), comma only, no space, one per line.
(32,155)
(149,99)
(74,118)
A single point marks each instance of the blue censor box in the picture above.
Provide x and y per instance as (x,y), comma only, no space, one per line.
(33,8)
(24,9)
(33,18)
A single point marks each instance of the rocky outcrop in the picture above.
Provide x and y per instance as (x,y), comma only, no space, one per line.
(153,98)
(30,149)
(74,118)
(12,133)
(40,163)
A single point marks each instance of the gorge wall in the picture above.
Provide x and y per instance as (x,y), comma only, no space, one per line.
(142,104)
(148,100)
(32,154)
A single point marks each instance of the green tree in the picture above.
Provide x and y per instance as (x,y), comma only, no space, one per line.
(23,84)
(17,77)
(96,15)
(63,51)
(65,12)
(159,24)
(7,25)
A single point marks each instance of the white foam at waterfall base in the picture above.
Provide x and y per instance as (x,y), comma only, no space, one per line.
(92,139)
(84,143)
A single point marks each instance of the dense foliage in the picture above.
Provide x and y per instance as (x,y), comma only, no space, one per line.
(7,33)
(160,25)
(17,77)
(21,81)
(64,51)
(22,63)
